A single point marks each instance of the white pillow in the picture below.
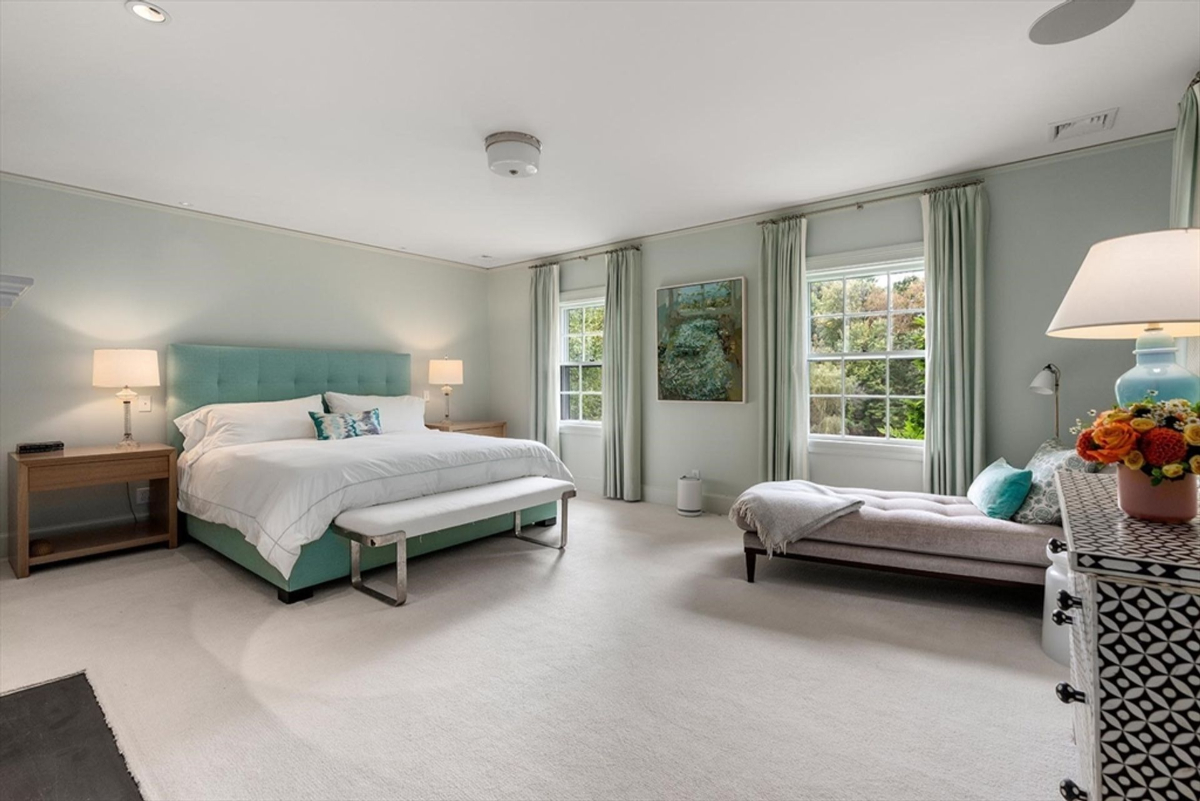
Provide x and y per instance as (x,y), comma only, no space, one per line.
(219,425)
(397,413)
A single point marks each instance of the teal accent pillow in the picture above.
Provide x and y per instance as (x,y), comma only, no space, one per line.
(345,426)
(1000,489)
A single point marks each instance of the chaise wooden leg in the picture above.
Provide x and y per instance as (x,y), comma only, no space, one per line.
(751,560)
(292,596)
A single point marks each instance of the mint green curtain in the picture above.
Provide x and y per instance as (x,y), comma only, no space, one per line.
(956,222)
(1185,169)
(621,423)
(785,412)
(543,355)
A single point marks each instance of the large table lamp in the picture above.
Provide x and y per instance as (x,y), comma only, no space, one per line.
(1144,287)
(449,373)
(125,368)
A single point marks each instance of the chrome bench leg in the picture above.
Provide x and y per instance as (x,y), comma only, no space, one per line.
(356,580)
(562,531)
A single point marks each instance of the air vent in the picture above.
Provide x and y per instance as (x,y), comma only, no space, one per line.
(1083,126)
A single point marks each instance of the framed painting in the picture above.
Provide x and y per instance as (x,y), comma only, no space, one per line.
(701,341)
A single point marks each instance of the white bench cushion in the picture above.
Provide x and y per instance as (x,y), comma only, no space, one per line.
(447,509)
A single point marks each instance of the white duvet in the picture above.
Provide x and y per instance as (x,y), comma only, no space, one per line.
(284,494)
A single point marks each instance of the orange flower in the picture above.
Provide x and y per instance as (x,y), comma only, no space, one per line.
(1085,447)
(1162,446)
(1113,441)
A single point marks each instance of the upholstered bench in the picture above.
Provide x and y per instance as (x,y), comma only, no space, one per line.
(914,532)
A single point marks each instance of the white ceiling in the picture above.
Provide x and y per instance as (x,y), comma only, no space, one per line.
(365,121)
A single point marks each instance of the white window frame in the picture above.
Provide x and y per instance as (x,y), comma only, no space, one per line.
(577,299)
(858,264)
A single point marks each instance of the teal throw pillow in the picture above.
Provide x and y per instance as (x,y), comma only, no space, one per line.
(1000,489)
(345,426)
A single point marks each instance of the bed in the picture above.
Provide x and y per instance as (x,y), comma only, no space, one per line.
(198,375)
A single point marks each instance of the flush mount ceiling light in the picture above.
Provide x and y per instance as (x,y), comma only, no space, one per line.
(513,154)
(1076,19)
(147,11)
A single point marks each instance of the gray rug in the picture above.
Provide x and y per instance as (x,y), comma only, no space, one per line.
(56,744)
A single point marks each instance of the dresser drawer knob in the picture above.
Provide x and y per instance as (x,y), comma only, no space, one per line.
(1061,618)
(1067,601)
(1068,694)
(1056,545)
(1071,791)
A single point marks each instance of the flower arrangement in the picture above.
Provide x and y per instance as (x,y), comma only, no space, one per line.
(1158,438)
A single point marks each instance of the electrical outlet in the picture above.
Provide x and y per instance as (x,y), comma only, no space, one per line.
(142,496)
(145,403)
(427,396)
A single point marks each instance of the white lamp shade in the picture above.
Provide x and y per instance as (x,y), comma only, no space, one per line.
(1127,283)
(125,368)
(1043,383)
(445,371)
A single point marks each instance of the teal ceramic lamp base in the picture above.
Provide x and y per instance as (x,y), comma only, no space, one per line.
(1157,374)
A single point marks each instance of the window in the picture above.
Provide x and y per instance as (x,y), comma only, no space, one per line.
(582,358)
(866,347)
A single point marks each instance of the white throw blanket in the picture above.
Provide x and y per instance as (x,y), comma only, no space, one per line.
(786,511)
(283,495)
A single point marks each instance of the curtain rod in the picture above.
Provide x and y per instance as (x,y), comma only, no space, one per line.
(862,203)
(588,256)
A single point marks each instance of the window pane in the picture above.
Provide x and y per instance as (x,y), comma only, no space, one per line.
(865,417)
(574,349)
(570,379)
(572,407)
(825,378)
(591,407)
(594,318)
(575,321)
(827,335)
(867,334)
(866,294)
(825,416)
(908,332)
(825,297)
(908,419)
(866,377)
(908,290)
(591,379)
(908,376)
(594,352)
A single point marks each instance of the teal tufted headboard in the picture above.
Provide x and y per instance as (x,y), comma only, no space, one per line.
(198,375)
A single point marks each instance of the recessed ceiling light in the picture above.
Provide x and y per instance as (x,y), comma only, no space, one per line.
(1076,19)
(147,11)
(185,204)
(485,256)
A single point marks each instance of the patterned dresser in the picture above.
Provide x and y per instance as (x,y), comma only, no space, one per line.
(1134,610)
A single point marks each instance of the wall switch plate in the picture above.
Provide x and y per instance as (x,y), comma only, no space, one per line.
(142,496)
(145,403)
(427,396)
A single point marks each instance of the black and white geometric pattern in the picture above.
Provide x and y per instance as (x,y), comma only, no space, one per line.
(1103,539)
(1148,666)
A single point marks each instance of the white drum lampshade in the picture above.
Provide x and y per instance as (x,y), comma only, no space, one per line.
(449,373)
(125,368)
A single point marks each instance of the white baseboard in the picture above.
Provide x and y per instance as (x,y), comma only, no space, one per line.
(717,504)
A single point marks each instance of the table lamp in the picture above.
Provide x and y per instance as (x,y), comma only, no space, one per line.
(449,373)
(1144,286)
(1046,383)
(125,368)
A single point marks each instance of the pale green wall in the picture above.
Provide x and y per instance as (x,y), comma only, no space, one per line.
(116,274)
(1045,215)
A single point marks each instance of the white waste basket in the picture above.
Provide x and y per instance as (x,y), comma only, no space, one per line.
(691,496)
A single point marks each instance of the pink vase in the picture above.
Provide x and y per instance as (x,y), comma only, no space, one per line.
(1169,502)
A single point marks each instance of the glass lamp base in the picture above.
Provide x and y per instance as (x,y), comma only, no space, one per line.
(128,443)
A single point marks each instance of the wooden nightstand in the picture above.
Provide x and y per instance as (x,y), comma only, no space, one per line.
(485,428)
(85,467)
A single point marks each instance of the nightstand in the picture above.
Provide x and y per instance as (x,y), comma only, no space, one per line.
(485,428)
(32,473)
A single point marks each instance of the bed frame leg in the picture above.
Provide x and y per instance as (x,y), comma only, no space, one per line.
(292,596)
(562,531)
(356,580)
(751,561)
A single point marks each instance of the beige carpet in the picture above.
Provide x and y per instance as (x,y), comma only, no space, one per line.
(639,664)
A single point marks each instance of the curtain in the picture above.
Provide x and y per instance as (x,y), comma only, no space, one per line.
(543,355)
(955,239)
(622,419)
(1185,165)
(785,413)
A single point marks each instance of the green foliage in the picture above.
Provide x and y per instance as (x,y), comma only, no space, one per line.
(827,335)
(825,378)
(575,321)
(692,364)
(593,321)
(866,376)
(866,294)
(908,419)
(866,334)
(908,332)
(866,417)
(908,291)
(825,297)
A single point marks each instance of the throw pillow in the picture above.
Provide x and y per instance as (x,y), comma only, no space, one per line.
(1041,504)
(345,426)
(999,490)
